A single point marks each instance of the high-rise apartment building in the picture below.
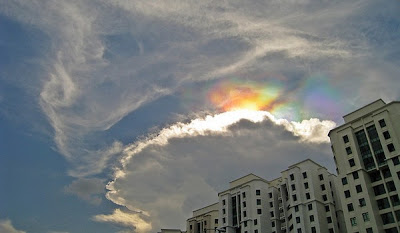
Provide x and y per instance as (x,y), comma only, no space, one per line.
(204,220)
(302,200)
(366,151)
(243,207)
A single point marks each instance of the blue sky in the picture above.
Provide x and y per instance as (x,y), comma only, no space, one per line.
(121,116)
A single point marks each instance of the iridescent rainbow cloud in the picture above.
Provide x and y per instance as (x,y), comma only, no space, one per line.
(237,95)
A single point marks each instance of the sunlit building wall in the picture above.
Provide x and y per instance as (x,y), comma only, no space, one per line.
(366,152)
(302,200)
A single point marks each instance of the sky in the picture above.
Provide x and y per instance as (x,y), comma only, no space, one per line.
(126,115)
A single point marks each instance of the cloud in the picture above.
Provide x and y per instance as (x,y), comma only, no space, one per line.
(87,189)
(183,167)
(127,219)
(7,227)
(107,59)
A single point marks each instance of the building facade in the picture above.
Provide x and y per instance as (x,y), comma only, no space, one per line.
(366,152)
(243,207)
(204,220)
(302,200)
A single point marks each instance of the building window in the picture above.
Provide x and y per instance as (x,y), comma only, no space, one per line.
(291,177)
(271,204)
(386,135)
(386,173)
(244,214)
(223,211)
(258,201)
(383,203)
(331,230)
(322,187)
(311,218)
(387,218)
(326,208)
(348,150)
(296,208)
(321,177)
(313,230)
(191,227)
(391,230)
(273,223)
(359,188)
(223,220)
(299,230)
(375,176)
(379,189)
(344,180)
(390,147)
(396,160)
(397,213)
(355,175)
(258,211)
(308,196)
(255,222)
(270,195)
(304,175)
(347,193)
(244,195)
(345,139)
(244,204)
(391,187)
(256,231)
(329,219)
(293,187)
(297,219)
(350,207)
(353,221)
(365,217)
(395,200)
(294,197)
(309,206)
(306,185)
(324,197)
(369,230)
(272,214)
(216,221)
(258,192)
(361,202)
(382,123)
(352,163)
(223,202)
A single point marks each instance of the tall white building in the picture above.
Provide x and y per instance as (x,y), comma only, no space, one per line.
(243,207)
(302,200)
(204,220)
(366,150)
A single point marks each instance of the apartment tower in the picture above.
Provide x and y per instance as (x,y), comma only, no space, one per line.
(302,200)
(366,152)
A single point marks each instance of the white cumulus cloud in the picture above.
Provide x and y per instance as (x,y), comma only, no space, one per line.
(182,167)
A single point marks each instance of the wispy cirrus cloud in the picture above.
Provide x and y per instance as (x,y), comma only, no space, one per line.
(107,59)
